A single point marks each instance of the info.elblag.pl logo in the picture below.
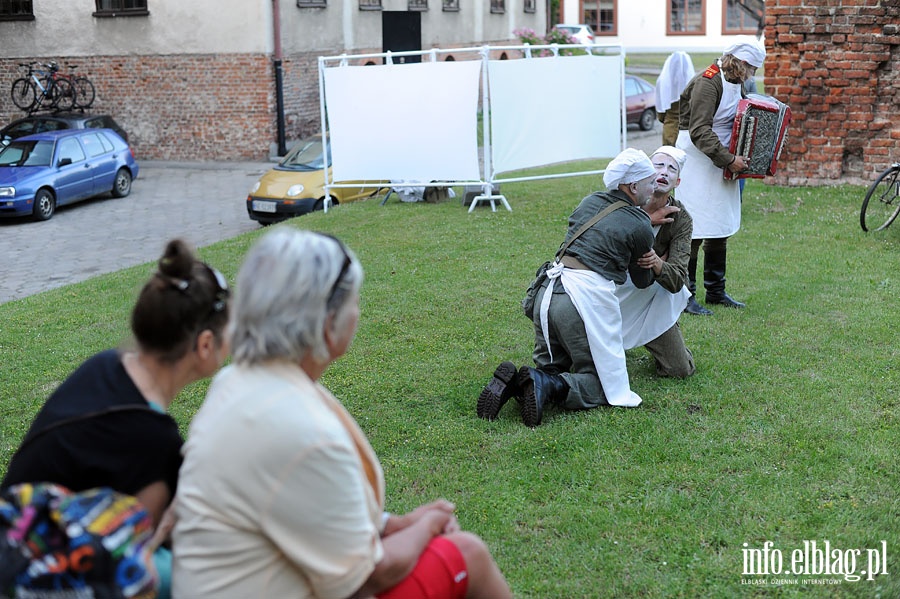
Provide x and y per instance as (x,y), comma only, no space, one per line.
(813,559)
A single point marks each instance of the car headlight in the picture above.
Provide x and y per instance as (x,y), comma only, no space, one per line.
(255,187)
(294,190)
(7,192)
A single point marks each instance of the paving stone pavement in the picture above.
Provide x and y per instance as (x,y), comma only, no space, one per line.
(201,202)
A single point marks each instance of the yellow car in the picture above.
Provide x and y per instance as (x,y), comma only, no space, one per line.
(297,186)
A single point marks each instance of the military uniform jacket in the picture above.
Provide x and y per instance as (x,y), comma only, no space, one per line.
(699,103)
(674,239)
(612,246)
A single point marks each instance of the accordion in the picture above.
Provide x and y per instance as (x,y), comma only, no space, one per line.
(759,134)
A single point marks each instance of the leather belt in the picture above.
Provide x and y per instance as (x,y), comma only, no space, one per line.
(572,262)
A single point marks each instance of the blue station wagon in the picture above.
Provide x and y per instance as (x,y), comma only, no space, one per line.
(42,171)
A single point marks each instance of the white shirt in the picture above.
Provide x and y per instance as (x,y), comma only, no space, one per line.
(273,499)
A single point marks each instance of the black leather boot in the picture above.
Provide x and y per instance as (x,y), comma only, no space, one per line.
(497,392)
(539,389)
(692,306)
(714,258)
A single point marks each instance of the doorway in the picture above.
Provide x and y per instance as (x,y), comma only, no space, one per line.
(402,32)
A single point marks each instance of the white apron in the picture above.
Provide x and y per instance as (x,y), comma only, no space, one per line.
(713,203)
(594,298)
(648,313)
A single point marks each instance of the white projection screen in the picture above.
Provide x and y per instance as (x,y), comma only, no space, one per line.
(554,109)
(415,121)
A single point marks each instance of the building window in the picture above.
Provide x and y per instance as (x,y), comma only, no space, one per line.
(498,6)
(742,16)
(451,6)
(601,16)
(16,10)
(419,5)
(312,3)
(530,5)
(686,17)
(369,4)
(121,8)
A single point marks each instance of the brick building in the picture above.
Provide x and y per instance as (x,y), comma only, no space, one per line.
(197,80)
(837,64)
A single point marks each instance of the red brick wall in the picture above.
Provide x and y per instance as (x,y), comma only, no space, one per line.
(302,113)
(193,107)
(836,63)
(197,107)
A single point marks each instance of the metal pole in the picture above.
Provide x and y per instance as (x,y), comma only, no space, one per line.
(279,106)
(279,77)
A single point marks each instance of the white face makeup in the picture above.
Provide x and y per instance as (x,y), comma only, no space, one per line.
(666,172)
(643,189)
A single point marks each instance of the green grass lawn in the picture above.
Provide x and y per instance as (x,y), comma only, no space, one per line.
(787,433)
(653,60)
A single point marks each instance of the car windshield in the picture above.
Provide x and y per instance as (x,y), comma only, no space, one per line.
(305,156)
(27,153)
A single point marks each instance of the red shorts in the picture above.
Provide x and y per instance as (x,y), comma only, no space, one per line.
(440,573)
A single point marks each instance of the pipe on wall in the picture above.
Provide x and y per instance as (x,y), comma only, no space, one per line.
(279,77)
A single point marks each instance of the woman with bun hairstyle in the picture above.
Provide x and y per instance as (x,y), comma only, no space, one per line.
(106,425)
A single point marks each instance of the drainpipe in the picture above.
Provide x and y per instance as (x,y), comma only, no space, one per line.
(279,78)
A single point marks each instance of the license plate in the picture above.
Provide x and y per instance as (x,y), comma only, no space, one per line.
(261,206)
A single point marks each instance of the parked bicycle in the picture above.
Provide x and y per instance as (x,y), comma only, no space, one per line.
(42,89)
(882,203)
(84,88)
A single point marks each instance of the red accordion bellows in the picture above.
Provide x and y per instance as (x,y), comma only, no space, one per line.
(759,134)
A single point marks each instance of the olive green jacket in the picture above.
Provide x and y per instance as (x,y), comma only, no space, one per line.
(673,240)
(613,245)
(699,103)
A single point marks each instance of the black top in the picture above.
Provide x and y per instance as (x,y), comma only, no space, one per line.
(126,449)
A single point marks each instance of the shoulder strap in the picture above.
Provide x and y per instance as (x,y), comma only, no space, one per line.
(602,214)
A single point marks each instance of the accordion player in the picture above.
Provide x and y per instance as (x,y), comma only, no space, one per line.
(759,134)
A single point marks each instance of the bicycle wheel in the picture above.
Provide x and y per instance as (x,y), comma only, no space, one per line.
(62,94)
(23,93)
(84,92)
(882,203)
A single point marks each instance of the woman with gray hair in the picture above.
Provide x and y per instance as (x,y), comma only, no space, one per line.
(280,494)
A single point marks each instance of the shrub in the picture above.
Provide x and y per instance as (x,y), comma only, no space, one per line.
(554,36)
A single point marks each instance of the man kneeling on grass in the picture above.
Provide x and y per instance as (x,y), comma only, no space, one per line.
(581,358)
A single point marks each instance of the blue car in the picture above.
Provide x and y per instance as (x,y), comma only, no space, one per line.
(42,171)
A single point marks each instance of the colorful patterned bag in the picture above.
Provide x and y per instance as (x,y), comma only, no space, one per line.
(58,544)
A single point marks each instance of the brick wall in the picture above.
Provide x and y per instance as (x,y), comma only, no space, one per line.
(202,107)
(836,63)
(302,113)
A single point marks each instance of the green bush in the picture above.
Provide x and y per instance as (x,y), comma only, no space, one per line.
(554,36)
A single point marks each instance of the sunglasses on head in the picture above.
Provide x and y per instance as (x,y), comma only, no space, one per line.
(222,291)
(221,295)
(344,267)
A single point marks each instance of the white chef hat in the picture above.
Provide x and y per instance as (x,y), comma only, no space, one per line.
(679,156)
(748,49)
(629,166)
